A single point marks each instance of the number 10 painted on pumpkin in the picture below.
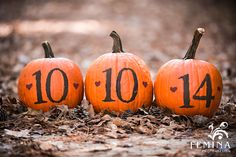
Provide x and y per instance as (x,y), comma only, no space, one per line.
(40,100)
(118,81)
(118,85)
(50,81)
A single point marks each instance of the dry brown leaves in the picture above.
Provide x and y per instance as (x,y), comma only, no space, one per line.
(19,124)
(15,116)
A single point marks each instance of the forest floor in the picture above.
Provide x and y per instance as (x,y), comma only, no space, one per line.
(156,31)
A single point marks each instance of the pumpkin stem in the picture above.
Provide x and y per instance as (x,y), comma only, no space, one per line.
(193,47)
(117,45)
(47,50)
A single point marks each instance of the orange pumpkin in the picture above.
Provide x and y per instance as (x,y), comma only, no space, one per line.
(50,81)
(189,86)
(118,81)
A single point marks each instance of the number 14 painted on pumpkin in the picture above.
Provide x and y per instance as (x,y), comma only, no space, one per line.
(208,97)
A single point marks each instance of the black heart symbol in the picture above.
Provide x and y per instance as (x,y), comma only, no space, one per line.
(97,83)
(76,85)
(173,89)
(145,84)
(28,86)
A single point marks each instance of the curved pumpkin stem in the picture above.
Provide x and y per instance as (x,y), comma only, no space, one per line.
(193,47)
(47,50)
(117,45)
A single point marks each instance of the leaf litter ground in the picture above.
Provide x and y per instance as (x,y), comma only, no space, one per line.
(69,132)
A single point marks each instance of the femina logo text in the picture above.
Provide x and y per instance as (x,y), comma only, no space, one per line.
(210,145)
(217,139)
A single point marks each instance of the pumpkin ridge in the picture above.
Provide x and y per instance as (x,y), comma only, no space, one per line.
(211,73)
(135,103)
(198,80)
(209,112)
(173,65)
(138,65)
(102,60)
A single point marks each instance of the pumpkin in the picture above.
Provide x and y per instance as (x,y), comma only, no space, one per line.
(189,86)
(118,81)
(47,82)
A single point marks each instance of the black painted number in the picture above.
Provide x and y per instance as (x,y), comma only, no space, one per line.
(108,85)
(40,100)
(38,88)
(208,97)
(118,85)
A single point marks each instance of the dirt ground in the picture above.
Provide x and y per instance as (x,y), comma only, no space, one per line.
(156,31)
